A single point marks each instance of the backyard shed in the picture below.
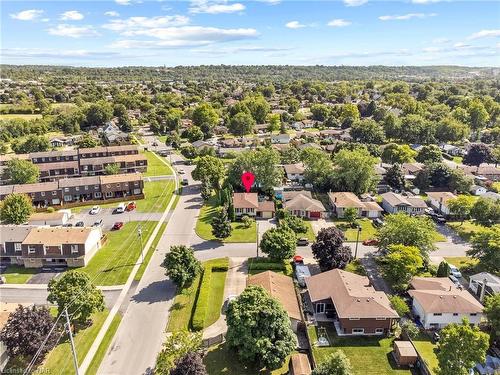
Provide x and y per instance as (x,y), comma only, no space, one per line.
(404,353)
(299,364)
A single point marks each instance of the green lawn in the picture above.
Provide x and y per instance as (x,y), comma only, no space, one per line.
(467,229)
(239,233)
(216,295)
(103,347)
(356,267)
(368,231)
(427,351)
(18,274)
(112,264)
(150,252)
(438,237)
(458,159)
(22,116)
(155,166)
(467,266)
(222,360)
(368,355)
(310,233)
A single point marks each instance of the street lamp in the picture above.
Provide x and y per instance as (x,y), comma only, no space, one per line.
(139,232)
(357,240)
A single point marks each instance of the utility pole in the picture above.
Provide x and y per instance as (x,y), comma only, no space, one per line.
(357,240)
(70,334)
(257,226)
(139,232)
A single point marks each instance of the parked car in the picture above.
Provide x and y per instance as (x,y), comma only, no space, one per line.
(181,171)
(302,241)
(154,144)
(97,223)
(454,280)
(131,206)
(80,224)
(95,210)
(117,226)
(184,182)
(377,223)
(439,219)
(67,225)
(370,242)
(120,209)
(454,271)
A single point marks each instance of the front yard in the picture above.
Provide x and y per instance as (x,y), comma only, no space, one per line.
(239,233)
(368,231)
(467,266)
(467,229)
(368,355)
(18,274)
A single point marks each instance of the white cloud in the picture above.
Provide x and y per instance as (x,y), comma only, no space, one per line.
(27,15)
(60,54)
(354,3)
(73,31)
(408,16)
(339,23)
(215,7)
(71,15)
(294,25)
(424,1)
(112,13)
(440,40)
(123,2)
(187,36)
(134,23)
(271,2)
(485,34)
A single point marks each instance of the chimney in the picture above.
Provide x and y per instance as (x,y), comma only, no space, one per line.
(483,290)
(335,200)
(450,288)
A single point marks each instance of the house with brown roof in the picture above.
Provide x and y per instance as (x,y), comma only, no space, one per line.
(437,302)
(304,206)
(394,203)
(11,239)
(294,172)
(248,204)
(439,199)
(344,199)
(350,300)
(281,288)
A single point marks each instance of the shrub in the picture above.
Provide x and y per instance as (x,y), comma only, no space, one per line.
(50,209)
(200,312)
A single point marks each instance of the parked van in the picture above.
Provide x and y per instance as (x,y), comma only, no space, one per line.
(120,209)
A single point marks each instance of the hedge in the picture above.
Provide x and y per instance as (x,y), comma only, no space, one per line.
(265,264)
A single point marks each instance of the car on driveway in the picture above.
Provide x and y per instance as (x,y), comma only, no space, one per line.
(120,209)
(95,210)
(131,206)
(377,223)
(97,223)
(80,224)
(184,182)
(370,242)
(302,241)
(454,271)
(117,226)
(181,171)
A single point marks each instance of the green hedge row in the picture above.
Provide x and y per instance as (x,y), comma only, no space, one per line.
(264,264)
(201,307)
(218,265)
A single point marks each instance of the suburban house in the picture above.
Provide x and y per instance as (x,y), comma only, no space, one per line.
(248,204)
(113,135)
(488,194)
(280,138)
(486,171)
(281,288)
(452,150)
(351,302)
(484,284)
(42,194)
(344,199)
(304,206)
(437,302)
(11,239)
(478,190)
(393,203)
(294,172)
(438,201)
(60,246)
(60,217)
(200,144)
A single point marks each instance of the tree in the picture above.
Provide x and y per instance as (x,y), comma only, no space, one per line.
(318,167)
(274,121)
(451,130)
(443,269)
(210,169)
(295,223)
(350,215)
(486,248)
(175,347)
(125,124)
(113,168)
(31,143)
(75,291)
(410,328)
(492,312)
(400,305)
(336,363)
(221,226)
(16,208)
(349,113)
(461,206)
(258,107)
(193,134)
(19,171)
(395,177)
(259,329)
(290,155)
(320,112)
(25,331)
(401,263)
(181,265)
(478,115)
(205,117)
(486,211)
(190,364)
(403,229)
(429,154)
(206,190)
(97,114)
(88,141)
(439,174)
(329,249)
(279,243)
(460,348)
(242,123)
(354,170)
(367,131)
(397,154)
(478,154)
(459,181)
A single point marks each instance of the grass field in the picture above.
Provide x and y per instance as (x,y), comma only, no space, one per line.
(427,351)
(101,351)
(217,283)
(310,233)
(239,233)
(112,264)
(18,274)
(467,229)
(368,231)
(368,355)
(155,166)
(150,252)
(22,116)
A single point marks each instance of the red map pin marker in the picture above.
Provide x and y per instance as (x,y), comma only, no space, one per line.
(247,179)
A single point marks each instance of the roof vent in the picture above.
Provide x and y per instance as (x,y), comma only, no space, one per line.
(358,300)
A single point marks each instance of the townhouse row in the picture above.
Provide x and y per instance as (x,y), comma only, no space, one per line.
(79,189)
(54,165)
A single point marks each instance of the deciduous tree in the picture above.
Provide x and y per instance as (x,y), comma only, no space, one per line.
(190,364)
(461,206)
(492,312)
(16,208)
(19,171)
(210,169)
(486,248)
(279,243)
(486,211)
(176,346)
(354,170)
(401,263)
(400,305)
(181,265)
(329,249)
(336,363)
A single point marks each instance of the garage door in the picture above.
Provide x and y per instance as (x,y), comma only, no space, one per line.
(315,215)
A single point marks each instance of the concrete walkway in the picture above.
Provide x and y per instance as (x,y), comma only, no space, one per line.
(236,281)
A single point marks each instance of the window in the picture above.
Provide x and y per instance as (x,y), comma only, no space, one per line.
(54,192)
(98,194)
(86,187)
(473,314)
(42,193)
(109,194)
(353,318)
(77,188)
(380,318)
(320,308)
(455,314)
(96,187)
(358,331)
(379,330)
(31,249)
(17,246)
(437,314)
(66,189)
(74,249)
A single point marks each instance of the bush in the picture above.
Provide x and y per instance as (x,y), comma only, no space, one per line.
(218,265)
(50,209)
(447,156)
(200,312)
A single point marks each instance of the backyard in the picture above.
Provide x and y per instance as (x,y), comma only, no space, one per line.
(368,355)
(239,234)
(427,351)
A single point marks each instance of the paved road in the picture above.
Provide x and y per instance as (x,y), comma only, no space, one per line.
(109,218)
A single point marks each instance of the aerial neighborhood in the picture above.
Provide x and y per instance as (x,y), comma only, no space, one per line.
(248,219)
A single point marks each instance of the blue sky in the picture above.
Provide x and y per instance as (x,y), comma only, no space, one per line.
(343,32)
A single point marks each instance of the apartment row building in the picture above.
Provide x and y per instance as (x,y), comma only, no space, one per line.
(79,189)
(36,247)
(54,165)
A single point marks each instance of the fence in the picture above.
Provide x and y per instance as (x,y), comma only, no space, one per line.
(206,343)
(421,363)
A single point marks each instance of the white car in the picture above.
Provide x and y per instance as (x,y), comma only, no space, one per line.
(454,271)
(181,171)
(95,210)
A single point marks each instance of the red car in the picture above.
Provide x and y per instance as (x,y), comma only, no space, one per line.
(131,206)
(117,225)
(372,242)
